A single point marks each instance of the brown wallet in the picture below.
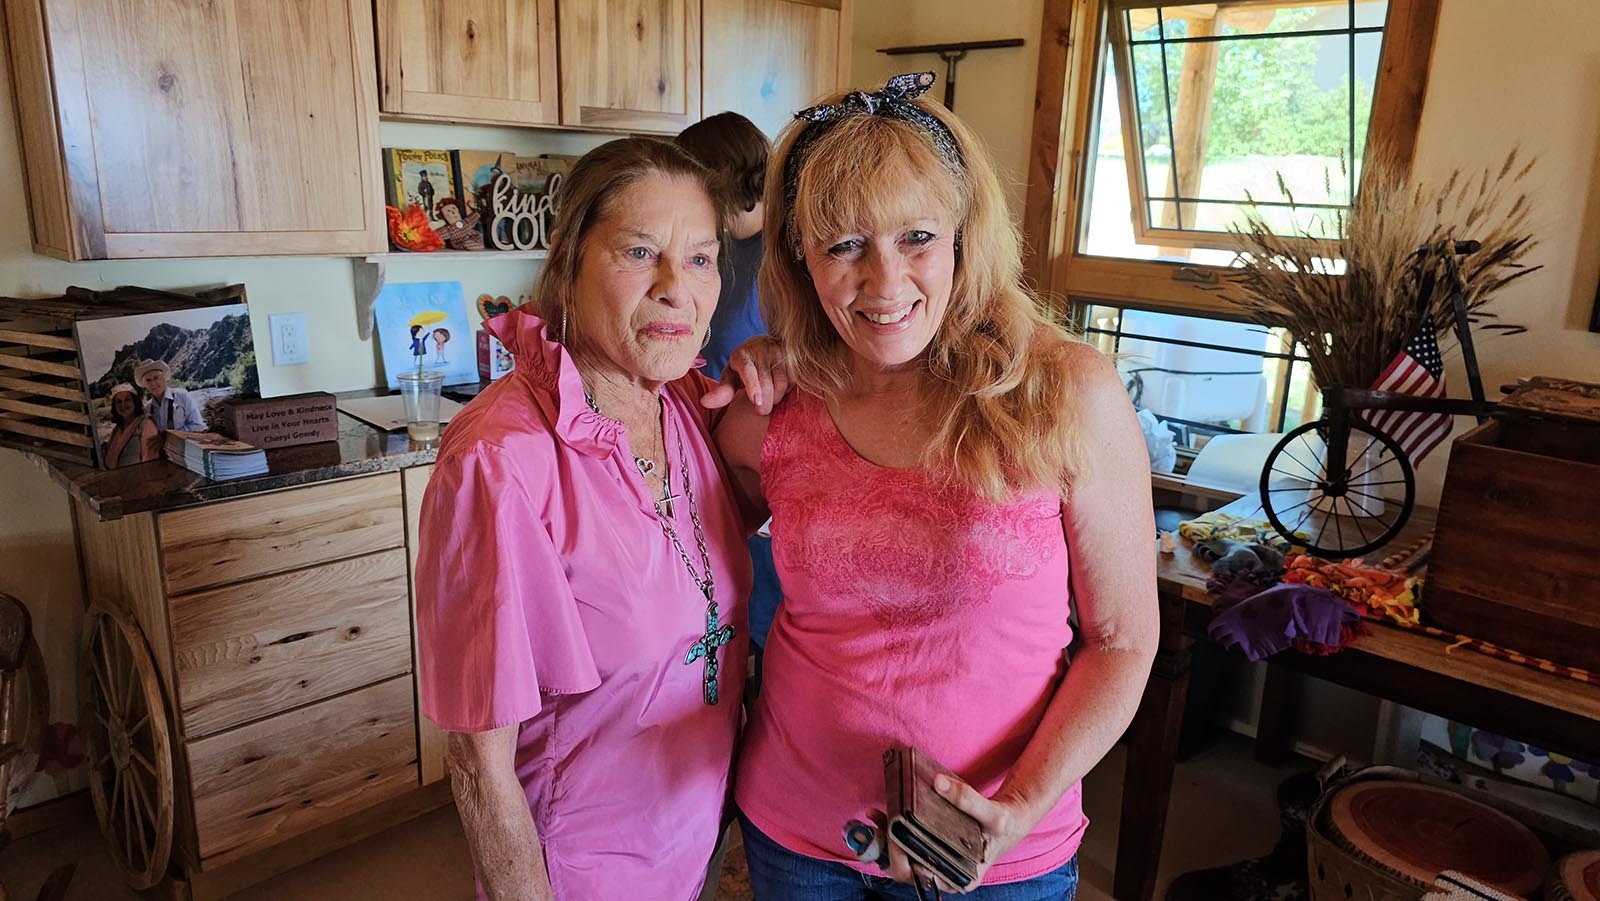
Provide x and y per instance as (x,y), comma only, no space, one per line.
(934,833)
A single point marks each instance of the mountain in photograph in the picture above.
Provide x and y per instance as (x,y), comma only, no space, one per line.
(222,355)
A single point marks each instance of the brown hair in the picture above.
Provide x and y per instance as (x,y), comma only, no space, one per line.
(587,193)
(996,376)
(735,150)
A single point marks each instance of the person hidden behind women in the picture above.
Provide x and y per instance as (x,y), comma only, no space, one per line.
(735,151)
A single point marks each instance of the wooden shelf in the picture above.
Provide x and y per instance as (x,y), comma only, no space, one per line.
(457,255)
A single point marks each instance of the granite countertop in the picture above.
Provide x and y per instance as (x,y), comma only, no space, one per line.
(362,449)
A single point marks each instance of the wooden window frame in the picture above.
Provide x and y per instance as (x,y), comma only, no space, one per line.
(1071,37)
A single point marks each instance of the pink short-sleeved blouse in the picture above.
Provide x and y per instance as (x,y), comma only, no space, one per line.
(548,595)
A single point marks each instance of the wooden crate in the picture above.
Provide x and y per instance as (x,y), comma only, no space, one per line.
(1516,557)
(44,404)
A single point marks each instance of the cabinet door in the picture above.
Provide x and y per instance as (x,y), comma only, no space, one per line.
(229,127)
(630,65)
(430,738)
(766,59)
(469,60)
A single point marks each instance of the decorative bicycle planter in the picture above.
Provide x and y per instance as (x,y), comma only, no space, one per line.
(1342,487)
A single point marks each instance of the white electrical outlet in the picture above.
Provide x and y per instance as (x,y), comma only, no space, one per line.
(290,344)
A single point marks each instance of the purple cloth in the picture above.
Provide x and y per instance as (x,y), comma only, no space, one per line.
(1262,623)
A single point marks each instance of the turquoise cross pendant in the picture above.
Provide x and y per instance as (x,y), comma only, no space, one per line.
(706,647)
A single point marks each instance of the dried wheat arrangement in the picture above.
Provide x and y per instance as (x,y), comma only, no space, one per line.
(1355,299)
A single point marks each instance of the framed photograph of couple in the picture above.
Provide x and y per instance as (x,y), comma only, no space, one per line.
(146,373)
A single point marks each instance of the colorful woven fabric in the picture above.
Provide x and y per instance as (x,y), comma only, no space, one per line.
(1217,524)
(1380,590)
(1384,593)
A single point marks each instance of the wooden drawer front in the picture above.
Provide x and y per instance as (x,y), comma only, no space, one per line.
(257,648)
(260,784)
(274,533)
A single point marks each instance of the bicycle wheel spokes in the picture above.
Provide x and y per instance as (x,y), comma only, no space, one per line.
(1339,508)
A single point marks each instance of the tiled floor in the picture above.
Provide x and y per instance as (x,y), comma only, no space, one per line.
(1222,810)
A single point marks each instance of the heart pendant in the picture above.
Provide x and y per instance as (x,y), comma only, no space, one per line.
(645,464)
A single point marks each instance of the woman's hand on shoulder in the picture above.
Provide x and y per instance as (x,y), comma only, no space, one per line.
(758,368)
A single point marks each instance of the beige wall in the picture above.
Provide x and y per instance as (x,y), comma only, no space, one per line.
(994,88)
(1501,81)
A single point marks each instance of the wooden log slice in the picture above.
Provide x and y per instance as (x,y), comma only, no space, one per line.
(1416,831)
(1576,878)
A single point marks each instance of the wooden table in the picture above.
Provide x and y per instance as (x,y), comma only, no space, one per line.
(1407,667)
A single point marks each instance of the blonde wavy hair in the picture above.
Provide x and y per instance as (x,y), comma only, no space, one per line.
(996,376)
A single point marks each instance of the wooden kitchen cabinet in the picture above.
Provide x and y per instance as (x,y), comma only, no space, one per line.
(488,61)
(630,65)
(280,630)
(766,59)
(189,128)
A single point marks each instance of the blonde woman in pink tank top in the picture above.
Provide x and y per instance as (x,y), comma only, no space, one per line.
(961,514)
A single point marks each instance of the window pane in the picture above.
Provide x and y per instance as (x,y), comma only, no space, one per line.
(1203,376)
(1269,102)
(1192,384)
(1371,13)
(1108,219)
(1368,49)
(1317,221)
(1155,101)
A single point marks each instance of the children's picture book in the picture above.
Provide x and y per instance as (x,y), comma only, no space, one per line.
(423,325)
(476,170)
(533,172)
(422,177)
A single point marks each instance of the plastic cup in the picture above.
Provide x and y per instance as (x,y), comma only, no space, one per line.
(420,388)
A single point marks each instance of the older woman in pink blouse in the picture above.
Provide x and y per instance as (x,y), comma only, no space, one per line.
(581,557)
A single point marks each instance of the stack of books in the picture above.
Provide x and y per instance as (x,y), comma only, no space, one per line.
(215,456)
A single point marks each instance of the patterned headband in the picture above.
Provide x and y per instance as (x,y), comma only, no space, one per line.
(893,101)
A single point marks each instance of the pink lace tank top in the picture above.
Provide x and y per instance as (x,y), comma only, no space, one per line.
(913,613)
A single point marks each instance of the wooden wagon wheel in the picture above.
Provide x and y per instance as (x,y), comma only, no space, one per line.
(128,745)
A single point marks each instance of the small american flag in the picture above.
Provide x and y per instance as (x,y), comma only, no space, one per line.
(1417,370)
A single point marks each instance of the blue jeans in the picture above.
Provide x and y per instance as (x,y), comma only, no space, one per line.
(778,874)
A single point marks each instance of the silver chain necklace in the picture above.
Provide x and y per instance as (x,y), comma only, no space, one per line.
(716,634)
(646,466)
